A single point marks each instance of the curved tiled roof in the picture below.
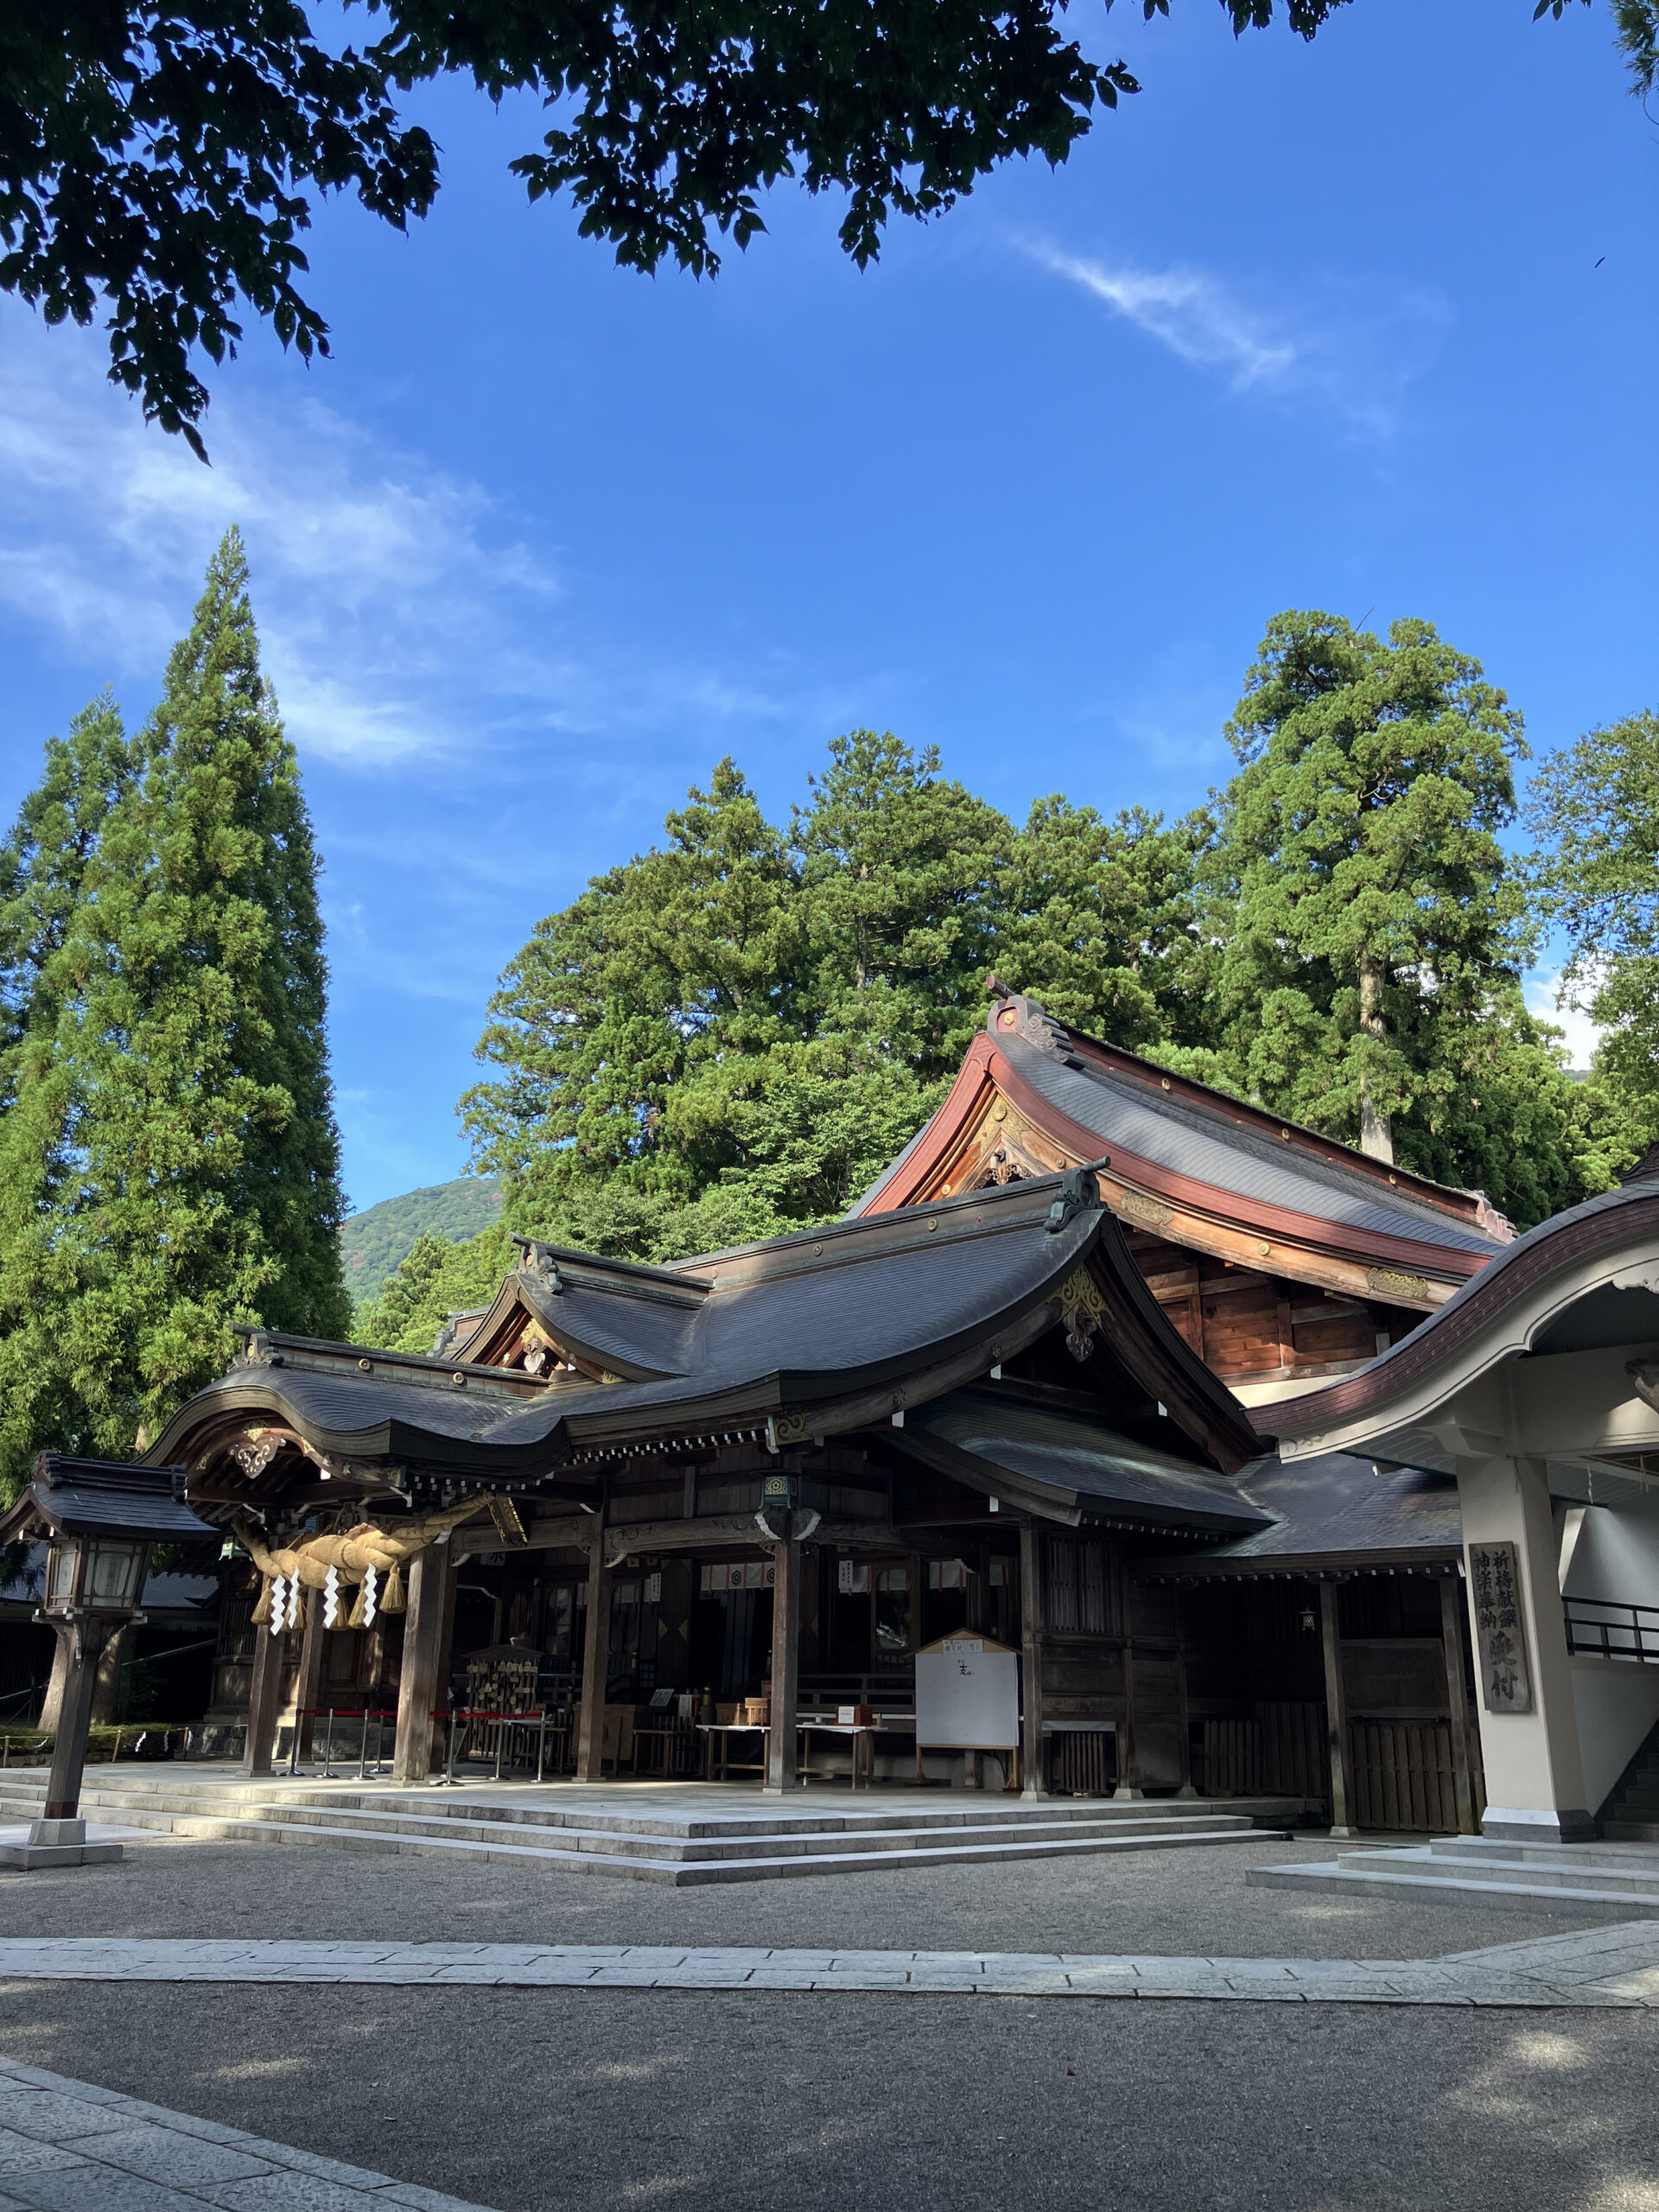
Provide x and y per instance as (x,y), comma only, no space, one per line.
(1197,1148)
(751,1334)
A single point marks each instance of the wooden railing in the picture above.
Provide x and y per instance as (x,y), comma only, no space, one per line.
(1601,1628)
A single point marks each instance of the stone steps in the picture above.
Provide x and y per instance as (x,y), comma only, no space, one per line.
(654,1846)
(1600,1880)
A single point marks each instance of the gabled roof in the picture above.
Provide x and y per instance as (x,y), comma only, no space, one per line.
(1175,1145)
(813,1334)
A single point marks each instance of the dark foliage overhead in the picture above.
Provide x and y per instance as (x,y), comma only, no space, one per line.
(163,161)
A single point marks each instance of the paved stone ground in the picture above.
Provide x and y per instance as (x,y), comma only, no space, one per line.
(1616,1967)
(1183,1903)
(588,2099)
(69,2146)
(577,2100)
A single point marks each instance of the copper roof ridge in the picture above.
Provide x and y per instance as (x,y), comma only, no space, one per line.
(1037,1026)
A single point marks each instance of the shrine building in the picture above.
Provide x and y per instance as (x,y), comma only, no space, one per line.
(1287,1475)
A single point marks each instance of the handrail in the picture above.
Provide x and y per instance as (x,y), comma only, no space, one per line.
(1608,1628)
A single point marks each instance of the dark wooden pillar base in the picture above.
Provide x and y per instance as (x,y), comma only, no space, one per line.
(1336,1711)
(1034,1778)
(785,1667)
(418,1680)
(595,1661)
(264,1698)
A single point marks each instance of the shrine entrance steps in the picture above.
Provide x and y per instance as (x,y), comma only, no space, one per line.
(1616,1881)
(680,1834)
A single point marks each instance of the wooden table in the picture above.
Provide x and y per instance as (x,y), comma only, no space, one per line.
(722,1752)
(862,1733)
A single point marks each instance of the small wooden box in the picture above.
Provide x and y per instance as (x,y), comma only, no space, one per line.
(854,1716)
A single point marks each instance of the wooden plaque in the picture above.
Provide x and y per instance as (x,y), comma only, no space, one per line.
(1500,1628)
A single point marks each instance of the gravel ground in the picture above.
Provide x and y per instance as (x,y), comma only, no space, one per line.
(1185,1903)
(563,2102)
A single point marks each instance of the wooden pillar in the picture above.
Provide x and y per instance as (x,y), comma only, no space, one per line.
(1129,1755)
(63,1666)
(417,1680)
(265,1698)
(1457,1698)
(307,1681)
(1030,1684)
(1336,1711)
(75,1720)
(595,1658)
(785,1665)
(1183,1720)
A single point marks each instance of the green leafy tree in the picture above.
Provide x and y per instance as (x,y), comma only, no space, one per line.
(1368,931)
(627,1022)
(735,1032)
(164,161)
(1594,807)
(1100,923)
(190,1043)
(902,884)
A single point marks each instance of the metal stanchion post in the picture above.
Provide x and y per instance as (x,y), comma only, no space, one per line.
(363,1748)
(500,1738)
(328,1748)
(541,1746)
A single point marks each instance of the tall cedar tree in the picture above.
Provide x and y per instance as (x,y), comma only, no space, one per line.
(44,864)
(206,1152)
(1595,808)
(1366,927)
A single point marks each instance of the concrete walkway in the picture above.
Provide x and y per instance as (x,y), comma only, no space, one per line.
(1616,1968)
(67,2146)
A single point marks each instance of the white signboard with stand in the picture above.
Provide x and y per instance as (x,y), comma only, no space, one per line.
(967,1695)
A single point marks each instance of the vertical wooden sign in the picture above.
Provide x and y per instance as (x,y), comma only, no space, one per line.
(1500,1628)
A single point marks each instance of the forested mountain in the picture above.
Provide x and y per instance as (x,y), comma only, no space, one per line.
(375,1243)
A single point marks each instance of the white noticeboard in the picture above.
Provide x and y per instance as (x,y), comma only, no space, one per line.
(967,1695)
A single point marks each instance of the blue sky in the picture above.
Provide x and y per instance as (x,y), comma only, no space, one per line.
(1365,325)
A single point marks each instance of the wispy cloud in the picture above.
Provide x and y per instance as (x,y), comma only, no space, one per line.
(1185,309)
(1353,359)
(404,611)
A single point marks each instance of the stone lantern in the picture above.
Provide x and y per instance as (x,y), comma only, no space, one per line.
(99,1519)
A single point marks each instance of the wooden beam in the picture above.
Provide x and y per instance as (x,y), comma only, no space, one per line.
(595,1658)
(1030,1681)
(1457,1696)
(721,1530)
(1336,1710)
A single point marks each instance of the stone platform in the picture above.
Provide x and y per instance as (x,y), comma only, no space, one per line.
(680,1833)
